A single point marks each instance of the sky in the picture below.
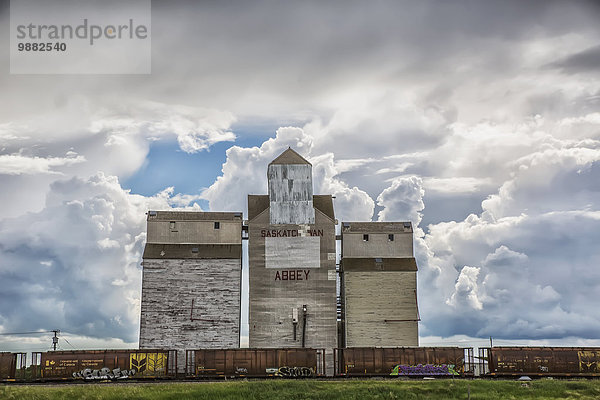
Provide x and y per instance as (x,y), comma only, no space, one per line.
(477,121)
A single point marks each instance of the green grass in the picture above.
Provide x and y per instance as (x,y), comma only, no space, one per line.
(308,389)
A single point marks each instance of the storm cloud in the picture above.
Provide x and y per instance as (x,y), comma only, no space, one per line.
(477,121)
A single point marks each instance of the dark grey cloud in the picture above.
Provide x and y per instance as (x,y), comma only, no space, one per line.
(446,92)
(275,57)
(584,61)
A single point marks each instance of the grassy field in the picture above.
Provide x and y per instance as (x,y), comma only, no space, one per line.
(288,389)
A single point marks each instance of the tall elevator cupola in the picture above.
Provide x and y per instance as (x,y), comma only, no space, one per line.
(290,189)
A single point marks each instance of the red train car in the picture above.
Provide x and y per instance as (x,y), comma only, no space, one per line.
(288,363)
(104,364)
(540,361)
(404,361)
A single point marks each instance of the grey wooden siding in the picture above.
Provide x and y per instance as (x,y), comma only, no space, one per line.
(167,317)
(374,297)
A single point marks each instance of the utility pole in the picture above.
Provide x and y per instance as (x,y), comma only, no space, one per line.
(55,339)
(491,343)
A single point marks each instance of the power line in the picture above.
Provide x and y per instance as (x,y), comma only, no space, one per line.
(24,333)
(65,339)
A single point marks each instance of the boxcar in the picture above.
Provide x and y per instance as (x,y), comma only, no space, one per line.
(404,361)
(105,364)
(8,365)
(542,361)
(287,362)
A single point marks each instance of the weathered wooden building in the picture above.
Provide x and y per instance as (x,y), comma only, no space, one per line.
(191,283)
(379,285)
(292,273)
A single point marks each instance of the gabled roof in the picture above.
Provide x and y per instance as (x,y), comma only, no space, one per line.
(257,203)
(289,156)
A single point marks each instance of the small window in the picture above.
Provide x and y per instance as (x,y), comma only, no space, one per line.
(217,225)
(391,237)
(172,224)
(195,250)
(365,238)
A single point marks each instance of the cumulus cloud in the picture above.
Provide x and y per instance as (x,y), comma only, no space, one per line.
(244,172)
(351,203)
(465,291)
(555,179)
(75,265)
(520,282)
(402,201)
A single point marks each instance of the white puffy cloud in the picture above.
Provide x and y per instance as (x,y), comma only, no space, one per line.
(520,281)
(245,172)
(523,284)
(555,179)
(75,265)
(466,290)
(351,203)
(402,201)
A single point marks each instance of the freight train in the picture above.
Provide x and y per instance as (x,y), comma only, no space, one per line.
(300,363)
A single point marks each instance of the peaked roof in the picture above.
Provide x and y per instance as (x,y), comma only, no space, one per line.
(289,156)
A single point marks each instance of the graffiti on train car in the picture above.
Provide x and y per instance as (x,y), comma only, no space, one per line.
(104,373)
(424,369)
(148,362)
(588,361)
(291,372)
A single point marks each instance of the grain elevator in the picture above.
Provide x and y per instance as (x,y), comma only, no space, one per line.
(292,273)
(191,283)
(192,265)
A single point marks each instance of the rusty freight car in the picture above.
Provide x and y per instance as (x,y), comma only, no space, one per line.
(404,361)
(541,361)
(285,362)
(104,364)
(8,365)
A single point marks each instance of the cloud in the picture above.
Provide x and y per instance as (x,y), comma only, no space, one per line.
(555,179)
(523,285)
(455,185)
(477,121)
(402,201)
(75,264)
(465,291)
(93,136)
(351,203)
(244,172)
(195,128)
(15,164)
(587,60)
